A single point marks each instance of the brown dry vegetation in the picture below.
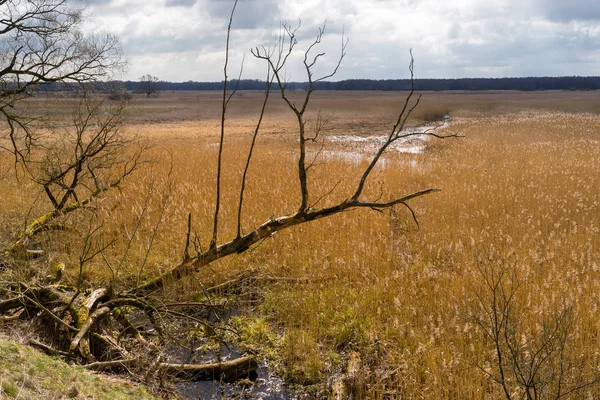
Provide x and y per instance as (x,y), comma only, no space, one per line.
(371,295)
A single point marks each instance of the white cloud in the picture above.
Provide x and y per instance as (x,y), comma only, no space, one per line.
(184,39)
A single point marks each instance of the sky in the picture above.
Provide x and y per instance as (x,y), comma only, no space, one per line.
(181,40)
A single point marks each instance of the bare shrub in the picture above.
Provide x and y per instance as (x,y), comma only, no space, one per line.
(527,356)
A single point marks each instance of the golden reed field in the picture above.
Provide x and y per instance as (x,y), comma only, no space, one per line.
(494,294)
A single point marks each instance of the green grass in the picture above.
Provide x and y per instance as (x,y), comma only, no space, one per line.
(28,374)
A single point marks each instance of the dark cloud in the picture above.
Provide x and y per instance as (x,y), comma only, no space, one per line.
(574,10)
(249,14)
(183,38)
(94,2)
(180,3)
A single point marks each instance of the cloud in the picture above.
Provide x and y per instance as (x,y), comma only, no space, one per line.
(185,39)
(250,14)
(561,10)
(180,3)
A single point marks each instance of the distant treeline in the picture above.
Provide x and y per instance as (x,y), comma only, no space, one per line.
(474,84)
(531,83)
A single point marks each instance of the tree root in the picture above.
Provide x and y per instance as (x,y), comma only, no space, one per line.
(99,331)
(72,317)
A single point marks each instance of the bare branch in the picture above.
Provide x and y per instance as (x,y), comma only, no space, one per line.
(213,242)
(269,82)
(43,43)
(82,163)
(186,250)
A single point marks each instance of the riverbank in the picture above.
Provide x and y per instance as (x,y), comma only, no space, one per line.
(28,374)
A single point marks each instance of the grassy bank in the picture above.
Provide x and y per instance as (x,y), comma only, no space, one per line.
(28,374)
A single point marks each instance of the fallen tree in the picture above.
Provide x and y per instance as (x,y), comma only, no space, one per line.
(96,325)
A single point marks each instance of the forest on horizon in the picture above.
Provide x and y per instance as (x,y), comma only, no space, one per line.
(467,84)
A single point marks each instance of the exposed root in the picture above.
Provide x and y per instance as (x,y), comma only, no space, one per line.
(99,331)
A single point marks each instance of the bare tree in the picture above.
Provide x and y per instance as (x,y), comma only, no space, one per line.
(150,85)
(94,312)
(526,363)
(43,46)
(276,58)
(82,161)
(41,42)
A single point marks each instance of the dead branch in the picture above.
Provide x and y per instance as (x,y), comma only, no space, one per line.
(49,350)
(81,164)
(239,245)
(226,371)
(85,328)
(12,317)
(12,303)
(277,65)
(213,242)
(111,365)
(269,82)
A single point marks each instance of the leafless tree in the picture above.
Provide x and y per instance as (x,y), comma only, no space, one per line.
(92,310)
(82,161)
(41,42)
(276,58)
(149,84)
(526,363)
(42,45)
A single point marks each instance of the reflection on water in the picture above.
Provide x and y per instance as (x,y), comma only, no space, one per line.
(261,384)
(355,149)
(267,386)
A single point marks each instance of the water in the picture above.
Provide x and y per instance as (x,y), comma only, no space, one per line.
(266,386)
(263,384)
(356,149)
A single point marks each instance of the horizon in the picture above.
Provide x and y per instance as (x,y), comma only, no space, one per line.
(374,79)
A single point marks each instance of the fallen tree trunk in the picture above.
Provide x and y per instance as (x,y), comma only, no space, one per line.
(269,228)
(226,371)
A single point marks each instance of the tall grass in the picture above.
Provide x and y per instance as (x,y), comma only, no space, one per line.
(523,181)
